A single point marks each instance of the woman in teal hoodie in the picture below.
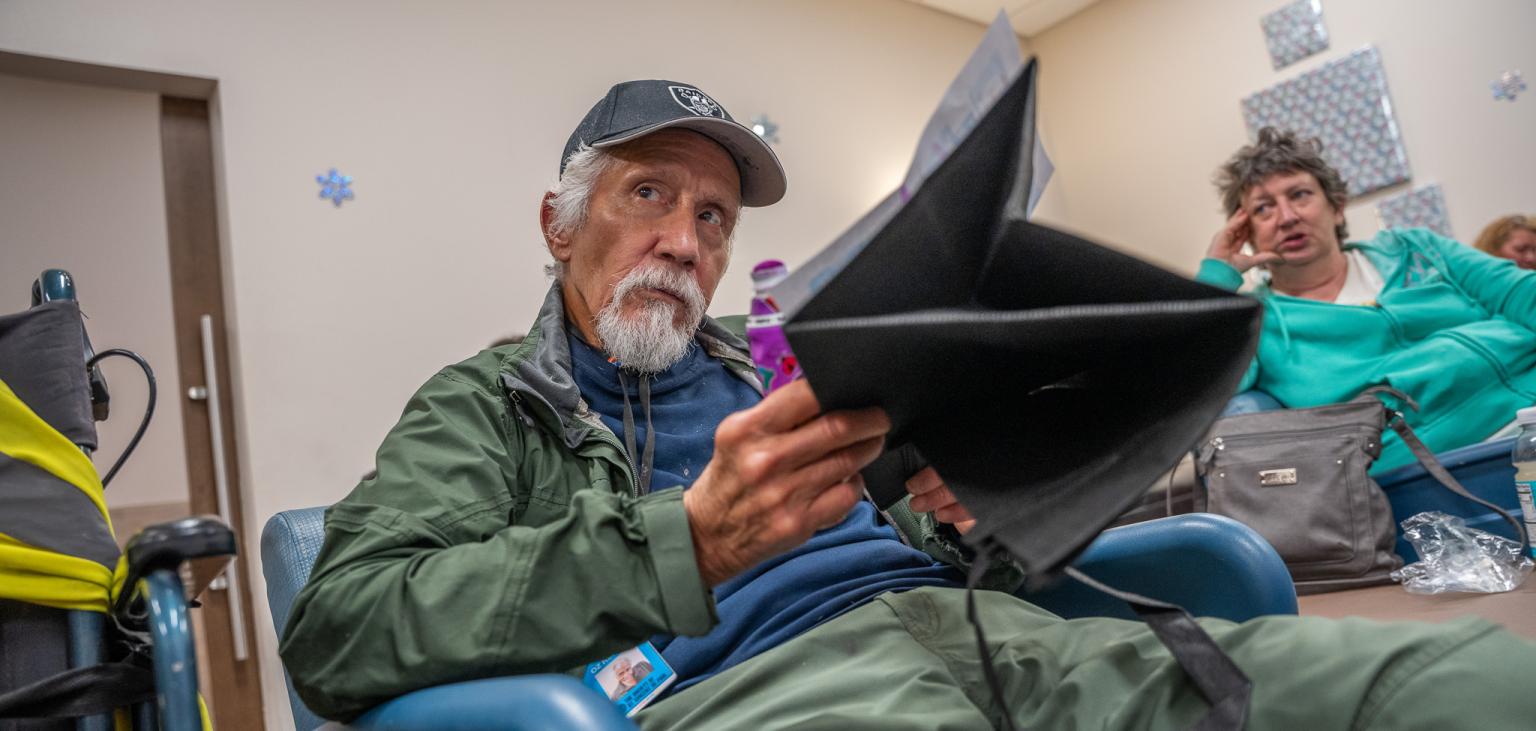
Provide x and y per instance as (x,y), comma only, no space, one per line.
(1442,322)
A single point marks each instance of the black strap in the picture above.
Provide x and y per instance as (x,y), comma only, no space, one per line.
(1444,477)
(1214,675)
(978,569)
(86,691)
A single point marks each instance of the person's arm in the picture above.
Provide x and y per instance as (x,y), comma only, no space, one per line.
(426,578)
(1224,265)
(1500,286)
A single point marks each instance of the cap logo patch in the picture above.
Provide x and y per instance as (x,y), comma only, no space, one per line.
(696,101)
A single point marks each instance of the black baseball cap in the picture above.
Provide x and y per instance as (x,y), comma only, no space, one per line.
(634,109)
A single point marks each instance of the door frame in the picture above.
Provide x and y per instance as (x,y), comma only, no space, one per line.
(195,248)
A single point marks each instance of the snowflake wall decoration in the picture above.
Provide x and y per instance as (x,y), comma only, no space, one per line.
(766,129)
(335,187)
(1507,85)
(1294,32)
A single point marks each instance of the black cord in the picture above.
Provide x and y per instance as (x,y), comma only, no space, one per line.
(149,409)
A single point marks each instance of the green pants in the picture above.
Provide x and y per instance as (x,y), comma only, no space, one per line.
(909,661)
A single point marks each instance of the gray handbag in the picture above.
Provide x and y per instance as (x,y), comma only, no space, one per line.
(1300,478)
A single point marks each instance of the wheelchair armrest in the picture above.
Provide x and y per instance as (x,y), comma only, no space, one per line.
(204,543)
(518,703)
(1211,565)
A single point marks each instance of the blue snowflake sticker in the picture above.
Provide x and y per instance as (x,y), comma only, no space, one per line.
(335,187)
(1507,85)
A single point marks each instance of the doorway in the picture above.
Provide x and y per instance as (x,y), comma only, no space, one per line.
(109,174)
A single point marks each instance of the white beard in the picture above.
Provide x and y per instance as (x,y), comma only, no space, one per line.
(650,341)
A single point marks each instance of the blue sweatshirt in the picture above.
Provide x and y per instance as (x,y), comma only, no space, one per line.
(838,569)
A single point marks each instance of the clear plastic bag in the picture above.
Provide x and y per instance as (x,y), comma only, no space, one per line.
(1453,557)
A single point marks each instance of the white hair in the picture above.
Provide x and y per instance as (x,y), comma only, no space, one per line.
(571,196)
(572,193)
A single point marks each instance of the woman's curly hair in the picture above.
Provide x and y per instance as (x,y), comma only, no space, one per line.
(1277,152)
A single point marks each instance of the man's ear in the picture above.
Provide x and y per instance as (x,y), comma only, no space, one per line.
(559,245)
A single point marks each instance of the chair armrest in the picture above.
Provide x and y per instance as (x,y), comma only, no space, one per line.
(1211,565)
(520,703)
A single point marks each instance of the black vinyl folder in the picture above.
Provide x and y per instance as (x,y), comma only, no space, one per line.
(1048,379)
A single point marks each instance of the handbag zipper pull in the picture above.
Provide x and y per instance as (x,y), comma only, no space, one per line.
(1208,452)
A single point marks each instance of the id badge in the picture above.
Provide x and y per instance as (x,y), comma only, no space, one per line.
(632,678)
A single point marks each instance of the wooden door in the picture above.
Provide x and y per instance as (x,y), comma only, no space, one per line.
(202,348)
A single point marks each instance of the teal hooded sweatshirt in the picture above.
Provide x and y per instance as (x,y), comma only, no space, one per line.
(1454,328)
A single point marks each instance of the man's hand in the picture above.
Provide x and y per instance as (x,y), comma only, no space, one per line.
(931,495)
(781,471)
(1227,244)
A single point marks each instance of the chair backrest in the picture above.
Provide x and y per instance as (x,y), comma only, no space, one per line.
(289,544)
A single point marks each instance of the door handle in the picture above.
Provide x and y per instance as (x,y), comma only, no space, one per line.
(210,393)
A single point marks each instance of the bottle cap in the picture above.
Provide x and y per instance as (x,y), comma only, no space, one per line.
(1526,416)
(768,273)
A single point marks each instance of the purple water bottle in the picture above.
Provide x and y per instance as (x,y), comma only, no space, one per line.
(776,363)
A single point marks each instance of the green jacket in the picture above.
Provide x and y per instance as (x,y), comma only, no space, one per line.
(503,535)
(1453,328)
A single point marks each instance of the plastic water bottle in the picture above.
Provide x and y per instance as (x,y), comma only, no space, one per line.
(776,363)
(1524,457)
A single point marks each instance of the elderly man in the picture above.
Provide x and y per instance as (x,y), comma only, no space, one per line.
(1445,323)
(617,479)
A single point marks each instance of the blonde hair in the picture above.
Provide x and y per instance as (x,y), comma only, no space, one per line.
(1493,237)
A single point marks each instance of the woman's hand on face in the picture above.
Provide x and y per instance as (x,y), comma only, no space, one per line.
(1227,244)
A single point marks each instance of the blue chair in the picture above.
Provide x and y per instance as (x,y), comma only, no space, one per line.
(1484,469)
(1211,565)
(289,543)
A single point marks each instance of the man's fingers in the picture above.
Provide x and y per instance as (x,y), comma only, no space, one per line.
(839,466)
(933,500)
(955,514)
(831,506)
(820,437)
(786,408)
(924,481)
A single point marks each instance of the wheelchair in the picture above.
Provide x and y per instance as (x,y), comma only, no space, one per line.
(91,637)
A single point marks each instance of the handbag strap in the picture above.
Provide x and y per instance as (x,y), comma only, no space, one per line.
(1444,477)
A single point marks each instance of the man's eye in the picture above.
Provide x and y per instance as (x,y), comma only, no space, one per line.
(712,217)
(647,192)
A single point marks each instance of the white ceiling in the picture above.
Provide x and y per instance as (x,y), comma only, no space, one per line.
(1028,16)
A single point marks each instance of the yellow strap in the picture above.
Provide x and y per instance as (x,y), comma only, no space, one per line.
(27,437)
(39,576)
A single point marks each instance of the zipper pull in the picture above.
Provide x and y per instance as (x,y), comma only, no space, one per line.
(1209,450)
(517,406)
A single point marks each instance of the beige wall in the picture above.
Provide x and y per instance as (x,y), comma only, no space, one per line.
(451,116)
(1140,103)
(80,189)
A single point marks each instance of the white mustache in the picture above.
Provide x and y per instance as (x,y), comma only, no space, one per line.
(672,281)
